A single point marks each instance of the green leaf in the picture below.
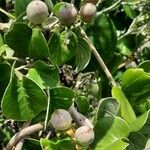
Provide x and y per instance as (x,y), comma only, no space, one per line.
(117,145)
(139,122)
(44,75)
(24,97)
(1,44)
(39,118)
(83,54)
(20,6)
(129,9)
(110,130)
(107,107)
(145,66)
(61,97)
(8,51)
(20,18)
(55,48)
(117,60)
(104,36)
(83,104)
(49,4)
(4,78)
(109,134)
(69,45)
(62,46)
(124,49)
(30,144)
(18,38)
(138,142)
(140,135)
(38,45)
(57,7)
(127,45)
(126,109)
(136,84)
(64,144)
(1,41)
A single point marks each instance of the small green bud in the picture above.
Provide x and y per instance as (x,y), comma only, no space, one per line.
(94,89)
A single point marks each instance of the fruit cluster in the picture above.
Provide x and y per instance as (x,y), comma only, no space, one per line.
(37,12)
(61,120)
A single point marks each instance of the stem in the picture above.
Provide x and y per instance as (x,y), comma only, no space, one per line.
(48,107)
(50,26)
(112,7)
(23,133)
(4,26)
(18,74)
(7,14)
(14,59)
(80,120)
(23,67)
(99,59)
(19,145)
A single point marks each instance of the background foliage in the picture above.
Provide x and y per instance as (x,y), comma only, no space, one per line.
(35,62)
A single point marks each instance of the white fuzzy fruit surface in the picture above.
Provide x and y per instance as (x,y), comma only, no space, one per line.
(37,12)
(61,120)
(84,135)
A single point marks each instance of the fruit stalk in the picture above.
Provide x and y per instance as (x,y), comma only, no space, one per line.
(99,59)
(7,14)
(77,117)
(23,133)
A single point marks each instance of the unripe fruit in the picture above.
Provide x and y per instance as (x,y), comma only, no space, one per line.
(88,12)
(61,120)
(94,89)
(67,14)
(84,135)
(37,11)
(91,1)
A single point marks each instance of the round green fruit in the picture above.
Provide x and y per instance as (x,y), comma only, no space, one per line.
(88,12)
(61,120)
(84,135)
(37,12)
(67,14)
(94,89)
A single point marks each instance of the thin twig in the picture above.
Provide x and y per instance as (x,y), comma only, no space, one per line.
(51,25)
(99,59)
(19,145)
(23,67)
(112,7)
(23,133)
(48,107)
(14,59)
(7,14)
